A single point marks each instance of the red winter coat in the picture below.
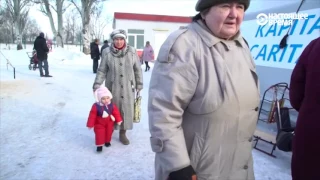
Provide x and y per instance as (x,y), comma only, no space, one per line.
(305,98)
(103,127)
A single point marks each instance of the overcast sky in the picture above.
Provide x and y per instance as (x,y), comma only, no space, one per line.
(163,7)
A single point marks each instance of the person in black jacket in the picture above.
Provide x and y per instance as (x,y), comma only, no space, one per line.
(42,49)
(95,54)
(105,45)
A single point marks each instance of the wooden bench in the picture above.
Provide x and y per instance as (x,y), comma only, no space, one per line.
(265,137)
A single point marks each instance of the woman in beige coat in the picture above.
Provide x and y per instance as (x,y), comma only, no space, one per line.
(120,69)
(204,98)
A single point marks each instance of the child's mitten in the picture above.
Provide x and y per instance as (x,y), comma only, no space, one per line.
(119,123)
(112,118)
(95,96)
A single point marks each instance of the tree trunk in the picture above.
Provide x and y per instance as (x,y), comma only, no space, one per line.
(17,17)
(85,38)
(73,33)
(59,4)
(12,34)
(18,34)
(49,15)
(85,27)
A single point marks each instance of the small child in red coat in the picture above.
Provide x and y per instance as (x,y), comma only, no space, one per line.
(102,117)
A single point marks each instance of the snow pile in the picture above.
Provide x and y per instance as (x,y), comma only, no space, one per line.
(17,58)
(70,57)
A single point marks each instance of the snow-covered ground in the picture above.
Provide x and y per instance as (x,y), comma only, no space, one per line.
(43,132)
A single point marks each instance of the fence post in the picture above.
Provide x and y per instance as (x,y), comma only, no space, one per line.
(8,63)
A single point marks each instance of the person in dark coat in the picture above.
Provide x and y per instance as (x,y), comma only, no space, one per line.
(95,54)
(42,49)
(105,45)
(305,98)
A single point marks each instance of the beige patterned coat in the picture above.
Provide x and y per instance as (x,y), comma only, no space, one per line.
(122,76)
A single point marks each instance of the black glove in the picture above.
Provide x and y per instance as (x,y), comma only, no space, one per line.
(182,174)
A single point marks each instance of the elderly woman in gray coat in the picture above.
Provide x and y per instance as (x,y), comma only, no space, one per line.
(204,98)
(120,68)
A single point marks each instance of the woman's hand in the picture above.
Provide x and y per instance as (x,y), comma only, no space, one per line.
(186,173)
(193,177)
(138,92)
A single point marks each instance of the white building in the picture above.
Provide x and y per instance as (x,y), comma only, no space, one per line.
(146,27)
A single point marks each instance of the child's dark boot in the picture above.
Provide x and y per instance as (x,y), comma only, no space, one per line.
(107,144)
(99,148)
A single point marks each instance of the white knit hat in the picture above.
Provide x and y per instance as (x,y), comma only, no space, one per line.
(118,33)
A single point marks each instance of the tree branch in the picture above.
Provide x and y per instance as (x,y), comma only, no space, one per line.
(10,8)
(77,7)
(43,11)
(24,3)
(53,7)
(64,9)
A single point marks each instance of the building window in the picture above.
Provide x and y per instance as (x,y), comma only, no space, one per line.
(135,31)
(140,41)
(136,38)
(131,39)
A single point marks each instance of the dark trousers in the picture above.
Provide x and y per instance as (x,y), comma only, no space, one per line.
(45,66)
(147,65)
(95,65)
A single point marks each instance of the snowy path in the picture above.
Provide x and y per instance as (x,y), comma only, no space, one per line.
(43,132)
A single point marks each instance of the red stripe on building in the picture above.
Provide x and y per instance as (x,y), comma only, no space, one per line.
(151,17)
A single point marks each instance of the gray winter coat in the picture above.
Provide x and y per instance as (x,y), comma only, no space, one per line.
(203,105)
(123,76)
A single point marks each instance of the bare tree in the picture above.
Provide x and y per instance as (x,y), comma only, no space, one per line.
(70,25)
(74,26)
(98,23)
(59,8)
(85,10)
(6,26)
(31,30)
(67,28)
(19,11)
(78,32)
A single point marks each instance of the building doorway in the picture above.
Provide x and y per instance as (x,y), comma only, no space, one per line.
(159,37)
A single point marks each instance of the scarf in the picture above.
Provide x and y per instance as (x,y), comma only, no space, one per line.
(119,52)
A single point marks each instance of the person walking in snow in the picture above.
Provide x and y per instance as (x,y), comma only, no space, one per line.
(204,98)
(304,97)
(42,49)
(105,45)
(121,70)
(95,54)
(147,55)
(102,116)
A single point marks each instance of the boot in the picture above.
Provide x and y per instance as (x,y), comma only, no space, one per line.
(99,148)
(123,138)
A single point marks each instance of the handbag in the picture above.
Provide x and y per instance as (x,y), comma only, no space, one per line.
(137,109)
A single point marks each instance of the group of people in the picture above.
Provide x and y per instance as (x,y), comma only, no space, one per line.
(96,53)
(203,98)
(146,56)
